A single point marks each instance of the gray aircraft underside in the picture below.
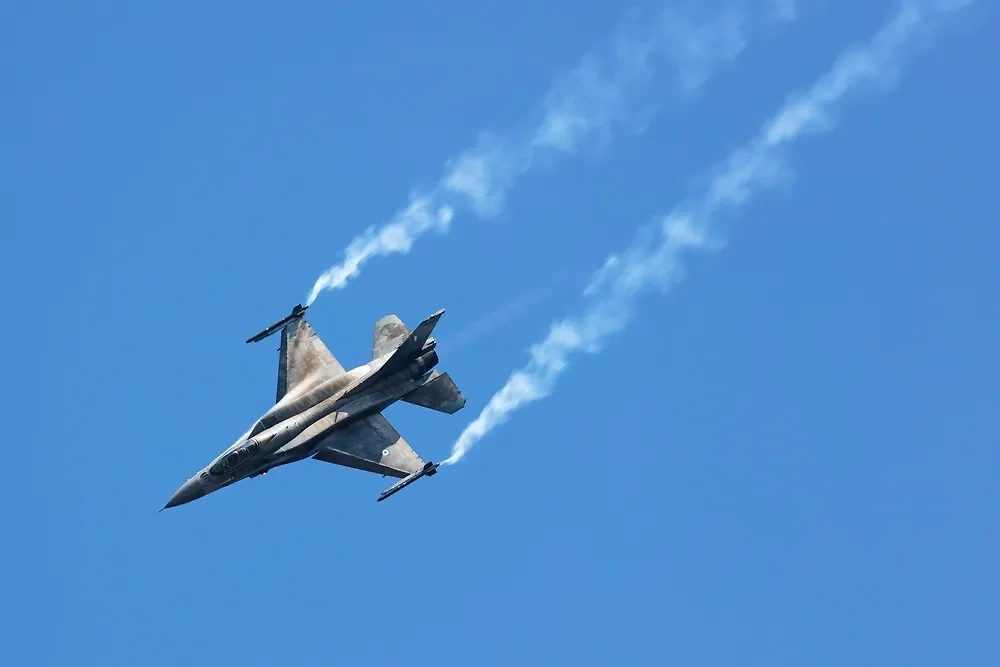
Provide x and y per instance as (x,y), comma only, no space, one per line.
(330,414)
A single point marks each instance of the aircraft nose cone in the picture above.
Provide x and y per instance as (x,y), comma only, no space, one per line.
(190,490)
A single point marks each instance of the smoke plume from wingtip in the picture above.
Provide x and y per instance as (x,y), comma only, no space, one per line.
(396,236)
(654,257)
(607,91)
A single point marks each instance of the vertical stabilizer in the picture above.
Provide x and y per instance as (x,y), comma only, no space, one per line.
(410,347)
(406,352)
(389,333)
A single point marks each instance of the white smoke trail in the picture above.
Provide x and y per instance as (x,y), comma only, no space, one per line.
(654,258)
(605,92)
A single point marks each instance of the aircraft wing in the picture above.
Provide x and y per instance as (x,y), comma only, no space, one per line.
(370,444)
(303,356)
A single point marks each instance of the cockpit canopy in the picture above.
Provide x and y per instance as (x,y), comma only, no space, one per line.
(235,458)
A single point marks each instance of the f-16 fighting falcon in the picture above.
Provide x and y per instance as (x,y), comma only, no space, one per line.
(334,415)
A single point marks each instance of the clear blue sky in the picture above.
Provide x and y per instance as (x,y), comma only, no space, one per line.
(791,459)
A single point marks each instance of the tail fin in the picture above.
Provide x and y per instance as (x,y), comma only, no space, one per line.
(439,393)
(410,347)
(392,335)
(389,333)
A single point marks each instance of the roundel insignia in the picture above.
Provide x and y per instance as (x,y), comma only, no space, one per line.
(385,452)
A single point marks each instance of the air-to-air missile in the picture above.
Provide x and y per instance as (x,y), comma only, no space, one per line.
(297,312)
(429,469)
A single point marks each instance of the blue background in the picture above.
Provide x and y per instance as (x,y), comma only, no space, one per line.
(791,459)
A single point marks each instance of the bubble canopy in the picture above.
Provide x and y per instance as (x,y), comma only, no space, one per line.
(235,458)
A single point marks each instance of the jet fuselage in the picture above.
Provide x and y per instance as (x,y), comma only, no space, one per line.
(293,428)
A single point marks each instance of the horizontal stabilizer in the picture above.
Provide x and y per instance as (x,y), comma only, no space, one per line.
(439,393)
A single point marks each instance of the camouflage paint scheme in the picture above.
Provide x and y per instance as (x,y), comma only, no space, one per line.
(330,414)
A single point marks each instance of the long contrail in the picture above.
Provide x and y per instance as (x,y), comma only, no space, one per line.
(653,260)
(609,90)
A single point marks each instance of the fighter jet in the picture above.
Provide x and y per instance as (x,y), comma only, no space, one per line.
(330,414)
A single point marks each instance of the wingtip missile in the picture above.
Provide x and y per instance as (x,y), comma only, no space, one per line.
(429,469)
(297,312)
